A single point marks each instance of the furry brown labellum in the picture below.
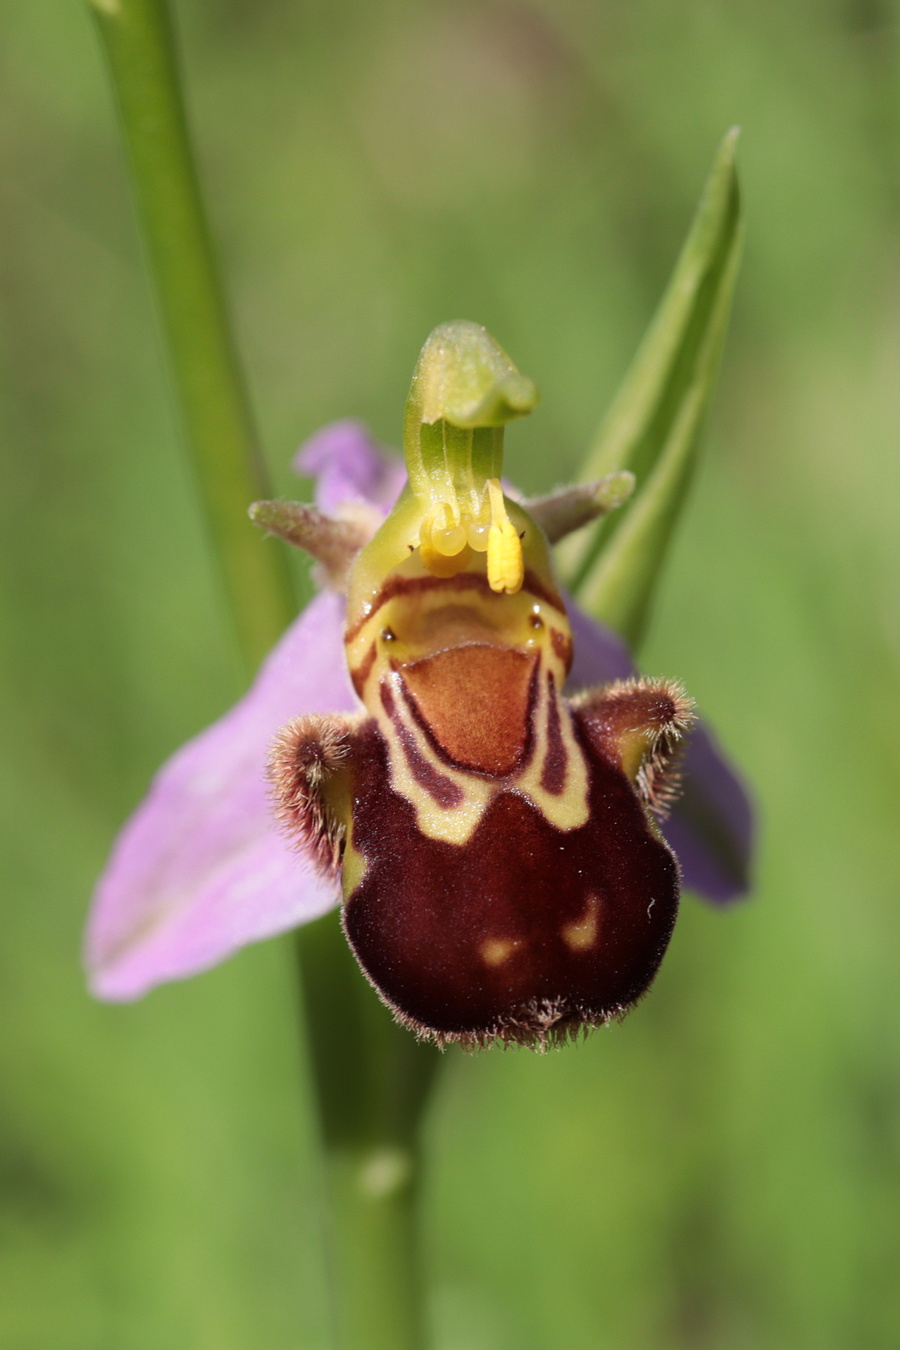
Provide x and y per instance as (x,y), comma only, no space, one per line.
(503,874)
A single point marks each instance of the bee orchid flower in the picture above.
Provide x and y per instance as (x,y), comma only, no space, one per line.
(466,756)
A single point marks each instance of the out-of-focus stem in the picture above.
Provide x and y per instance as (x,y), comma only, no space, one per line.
(220,437)
(371,1079)
(374,1083)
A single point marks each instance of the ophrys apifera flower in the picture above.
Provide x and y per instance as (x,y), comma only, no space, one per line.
(502,872)
(496,842)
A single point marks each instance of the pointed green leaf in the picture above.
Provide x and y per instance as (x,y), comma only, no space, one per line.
(654,425)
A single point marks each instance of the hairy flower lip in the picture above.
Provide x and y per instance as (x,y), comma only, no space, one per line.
(201,869)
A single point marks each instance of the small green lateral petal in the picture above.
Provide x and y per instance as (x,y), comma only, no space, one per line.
(562,512)
(333,543)
(654,425)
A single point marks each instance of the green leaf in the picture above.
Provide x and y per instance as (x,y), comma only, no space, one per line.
(654,425)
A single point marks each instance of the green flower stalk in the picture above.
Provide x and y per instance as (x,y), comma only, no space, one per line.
(218,425)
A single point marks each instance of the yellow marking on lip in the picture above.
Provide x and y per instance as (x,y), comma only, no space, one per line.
(451,824)
(415,616)
(568,810)
(582,934)
(634,746)
(495,951)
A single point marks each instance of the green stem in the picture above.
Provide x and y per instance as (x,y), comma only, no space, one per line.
(138,39)
(375,1261)
(371,1078)
(374,1082)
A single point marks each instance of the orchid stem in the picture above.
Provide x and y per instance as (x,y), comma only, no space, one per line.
(219,433)
(374,1082)
(371,1079)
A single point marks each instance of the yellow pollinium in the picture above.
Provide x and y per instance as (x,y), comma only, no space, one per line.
(450,534)
(505,564)
(443,542)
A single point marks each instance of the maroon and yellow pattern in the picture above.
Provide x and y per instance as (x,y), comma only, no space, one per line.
(526,932)
(502,871)
(502,874)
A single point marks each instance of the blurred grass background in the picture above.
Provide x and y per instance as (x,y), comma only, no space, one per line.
(722,1170)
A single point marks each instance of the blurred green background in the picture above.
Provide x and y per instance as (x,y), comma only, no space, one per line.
(722,1170)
